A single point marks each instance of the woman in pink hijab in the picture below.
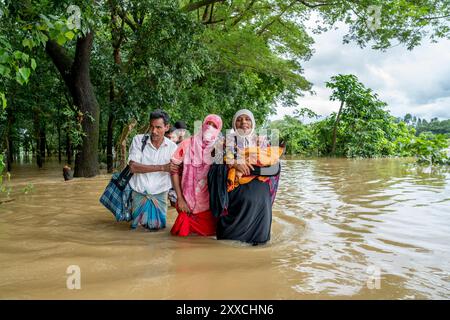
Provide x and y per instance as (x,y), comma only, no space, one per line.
(193,159)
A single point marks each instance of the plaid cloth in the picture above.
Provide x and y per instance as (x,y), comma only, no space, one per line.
(117,195)
(149,210)
(117,201)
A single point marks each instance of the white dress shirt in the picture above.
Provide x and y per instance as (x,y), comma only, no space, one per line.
(152,182)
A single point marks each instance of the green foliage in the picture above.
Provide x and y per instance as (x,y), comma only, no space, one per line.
(323,131)
(28,188)
(3,100)
(365,129)
(299,138)
(435,126)
(431,148)
(225,93)
(198,57)
(2,167)
(4,189)
(23,28)
(401,21)
(72,125)
(14,64)
(361,126)
(403,135)
(345,88)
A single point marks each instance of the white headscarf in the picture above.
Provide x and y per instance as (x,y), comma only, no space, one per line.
(247,140)
(250,115)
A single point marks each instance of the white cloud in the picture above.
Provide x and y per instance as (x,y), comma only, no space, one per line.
(415,81)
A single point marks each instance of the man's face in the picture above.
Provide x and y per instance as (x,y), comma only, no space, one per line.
(158,129)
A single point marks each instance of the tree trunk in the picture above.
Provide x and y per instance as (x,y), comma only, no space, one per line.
(42,143)
(37,137)
(8,140)
(336,123)
(109,135)
(121,152)
(68,149)
(75,73)
(59,135)
(10,151)
(117,33)
(48,146)
(25,149)
(87,164)
(109,143)
(8,157)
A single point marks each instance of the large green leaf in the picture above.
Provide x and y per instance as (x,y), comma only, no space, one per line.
(61,39)
(33,64)
(69,35)
(4,102)
(4,70)
(25,73)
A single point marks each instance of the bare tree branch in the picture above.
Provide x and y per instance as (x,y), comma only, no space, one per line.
(60,58)
(123,15)
(275,19)
(315,5)
(196,5)
(241,16)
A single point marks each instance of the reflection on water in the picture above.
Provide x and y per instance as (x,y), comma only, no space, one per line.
(376,229)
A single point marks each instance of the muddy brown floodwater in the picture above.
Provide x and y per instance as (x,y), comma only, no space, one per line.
(352,229)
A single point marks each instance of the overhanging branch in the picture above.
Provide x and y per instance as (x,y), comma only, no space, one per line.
(196,5)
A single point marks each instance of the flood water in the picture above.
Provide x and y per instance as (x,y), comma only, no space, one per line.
(342,229)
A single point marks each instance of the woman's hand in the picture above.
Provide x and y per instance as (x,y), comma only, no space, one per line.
(182,205)
(244,168)
(174,167)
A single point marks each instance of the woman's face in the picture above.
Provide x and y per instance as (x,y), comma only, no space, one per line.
(209,134)
(212,124)
(244,124)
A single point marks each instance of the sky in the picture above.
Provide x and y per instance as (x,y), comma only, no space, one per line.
(415,82)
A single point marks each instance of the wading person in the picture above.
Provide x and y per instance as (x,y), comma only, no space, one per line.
(192,161)
(181,128)
(177,135)
(250,194)
(172,135)
(151,179)
(67,173)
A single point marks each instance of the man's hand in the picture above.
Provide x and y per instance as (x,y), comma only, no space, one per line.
(132,165)
(143,168)
(165,167)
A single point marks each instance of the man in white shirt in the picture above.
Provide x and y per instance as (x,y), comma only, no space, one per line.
(151,179)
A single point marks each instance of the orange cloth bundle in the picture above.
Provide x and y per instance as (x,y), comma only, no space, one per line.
(258,156)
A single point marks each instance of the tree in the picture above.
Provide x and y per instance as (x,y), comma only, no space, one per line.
(75,72)
(362,127)
(213,55)
(345,88)
(299,138)
(408,118)
(54,32)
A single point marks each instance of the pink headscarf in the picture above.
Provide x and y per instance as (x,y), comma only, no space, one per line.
(196,165)
(203,142)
